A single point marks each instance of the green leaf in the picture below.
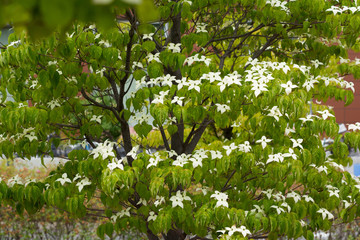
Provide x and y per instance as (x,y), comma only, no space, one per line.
(56,12)
(149,46)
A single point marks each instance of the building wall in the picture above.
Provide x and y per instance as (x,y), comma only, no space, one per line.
(351,113)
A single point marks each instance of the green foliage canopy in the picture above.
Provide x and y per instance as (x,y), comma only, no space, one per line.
(225,84)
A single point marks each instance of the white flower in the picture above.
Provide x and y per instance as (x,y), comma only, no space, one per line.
(297,143)
(106,44)
(115,164)
(334,193)
(64,179)
(137,65)
(133,152)
(258,88)
(31,136)
(307,119)
(325,114)
(178,199)
(354,127)
(309,84)
(278,157)
(159,98)
(159,200)
(122,213)
(84,182)
(242,229)
(152,216)
(178,100)
(196,161)
(104,149)
(268,193)
(221,199)
(181,160)
(245,147)
(230,148)
(322,169)
(142,201)
(216,154)
(52,104)
(308,198)
(77,176)
(316,63)
(154,160)
(263,141)
(346,204)
(153,57)
(258,209)
(290,154)
(14,180)
(52,63)
(200,27)
(148,36)
(278,209)
(194,84)
(284,204)
(175,48)
(275,112)
(166,80)
(222,108)
(279,197)
(97,119)
(288,87)
(294,195)
(325,213)
(334,9)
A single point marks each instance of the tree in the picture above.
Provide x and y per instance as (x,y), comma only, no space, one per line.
(224,84)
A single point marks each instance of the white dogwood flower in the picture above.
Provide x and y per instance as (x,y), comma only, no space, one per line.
(178,199)
(84,182)
(152,216)
(97,119)
(221,199)
(297,143)
(264,141)
(104,150)
(288,87)
(325,213)
(175,48)
(64,179)
(325,114)
(222,108)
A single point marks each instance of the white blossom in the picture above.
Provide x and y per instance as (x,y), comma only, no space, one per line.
(264,141)
(104,150)
(97,119)
(148,36)
(288,87)
(64,179)
(84,182)
(325,114)
(222,108)
(275,113)
(178,199)
(297,143)
(278,209)
(221,199)
(175,48)
(152,216)
(325,213)
(53,103)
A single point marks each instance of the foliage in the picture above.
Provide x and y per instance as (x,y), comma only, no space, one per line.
(226,84)
(41,18)
(48,223)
